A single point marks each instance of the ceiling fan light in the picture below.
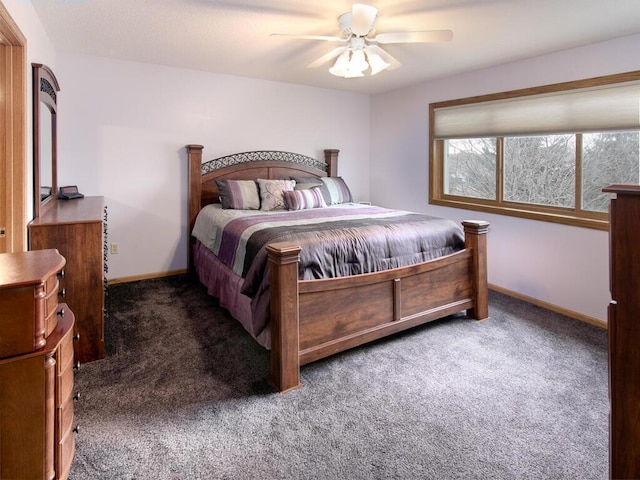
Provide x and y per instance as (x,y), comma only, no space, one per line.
(341,66)
(376,63)
(358,61)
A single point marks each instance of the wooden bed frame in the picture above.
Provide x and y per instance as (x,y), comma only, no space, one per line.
(312,319)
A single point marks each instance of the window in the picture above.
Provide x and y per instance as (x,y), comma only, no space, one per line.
(543,153)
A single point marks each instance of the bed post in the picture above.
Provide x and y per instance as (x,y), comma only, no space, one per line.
(285,348)
(194,156)
(475,233)
(331,159)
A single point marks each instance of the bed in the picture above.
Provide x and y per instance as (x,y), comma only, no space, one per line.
(312,318)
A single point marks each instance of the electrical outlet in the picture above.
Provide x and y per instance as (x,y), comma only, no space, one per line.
(114,248)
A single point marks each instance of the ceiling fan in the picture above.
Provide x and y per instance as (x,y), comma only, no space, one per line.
(361,50)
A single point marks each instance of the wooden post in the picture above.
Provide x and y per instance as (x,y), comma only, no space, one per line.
(194,156)
(285,348)
(331,159)
(475,234)
(624,331)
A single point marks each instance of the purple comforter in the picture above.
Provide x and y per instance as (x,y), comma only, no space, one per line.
(337,242)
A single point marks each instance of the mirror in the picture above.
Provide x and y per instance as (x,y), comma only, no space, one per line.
(46,149)
(45,110)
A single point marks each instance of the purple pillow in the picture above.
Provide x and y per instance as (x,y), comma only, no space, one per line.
(304,199)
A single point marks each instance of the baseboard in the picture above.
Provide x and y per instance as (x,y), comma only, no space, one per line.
(550,306)
(147,276)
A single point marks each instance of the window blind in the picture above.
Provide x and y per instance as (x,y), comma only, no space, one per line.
(593,109)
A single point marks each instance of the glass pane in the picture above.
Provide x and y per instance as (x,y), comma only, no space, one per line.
(540,170)
(607,158)
(470,167)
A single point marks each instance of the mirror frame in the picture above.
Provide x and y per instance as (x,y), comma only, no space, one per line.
(45,94)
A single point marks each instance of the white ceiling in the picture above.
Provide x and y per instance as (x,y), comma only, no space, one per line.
(232,37)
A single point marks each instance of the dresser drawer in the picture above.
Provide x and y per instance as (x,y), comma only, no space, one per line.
(64,387)
(64,363)
(64,420)
(51,305)
(65,450)
(64,355)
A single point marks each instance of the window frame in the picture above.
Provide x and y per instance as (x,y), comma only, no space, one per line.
(574,216)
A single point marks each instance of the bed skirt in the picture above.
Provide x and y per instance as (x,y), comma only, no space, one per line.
(222,283)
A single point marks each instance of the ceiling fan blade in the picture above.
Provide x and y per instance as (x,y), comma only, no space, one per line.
(325,58)
(363,18)
(393,63)
(327,38)
(432,36)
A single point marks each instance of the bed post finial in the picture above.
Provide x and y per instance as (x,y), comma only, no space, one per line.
(331,159)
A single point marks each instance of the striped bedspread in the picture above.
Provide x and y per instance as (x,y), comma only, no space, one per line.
(337,241)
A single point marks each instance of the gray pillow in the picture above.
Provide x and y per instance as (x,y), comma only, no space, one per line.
(239,194)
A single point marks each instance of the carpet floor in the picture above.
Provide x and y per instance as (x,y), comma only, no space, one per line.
(183,393)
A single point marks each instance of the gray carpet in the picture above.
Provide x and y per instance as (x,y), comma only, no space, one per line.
(183,394)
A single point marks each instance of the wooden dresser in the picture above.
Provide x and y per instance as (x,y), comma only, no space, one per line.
(36,368)
(624,331)
(76,228)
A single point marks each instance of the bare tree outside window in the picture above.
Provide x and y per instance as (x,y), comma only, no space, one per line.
(612,157)
(540,170)
(470,167)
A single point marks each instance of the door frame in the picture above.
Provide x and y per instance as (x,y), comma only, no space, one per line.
(13,119)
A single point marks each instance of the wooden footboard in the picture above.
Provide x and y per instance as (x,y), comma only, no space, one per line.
(312,319)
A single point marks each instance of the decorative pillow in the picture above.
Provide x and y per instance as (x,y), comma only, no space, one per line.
(338,190)
(239,194)
(304,183)
(271,193)
(304,199)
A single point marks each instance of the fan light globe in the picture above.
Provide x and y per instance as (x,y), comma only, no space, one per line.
(341,66)
(376,63)
(358,62)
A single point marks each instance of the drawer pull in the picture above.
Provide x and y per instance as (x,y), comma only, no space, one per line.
(60,312)
(76,397)
(76,429)
(61,274)
(76,367)
(76,337)
(62,293)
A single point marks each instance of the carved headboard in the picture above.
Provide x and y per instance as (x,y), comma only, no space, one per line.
(248,166)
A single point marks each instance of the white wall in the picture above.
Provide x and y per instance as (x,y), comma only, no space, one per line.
(39,50)
(123,127)
(562,265)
